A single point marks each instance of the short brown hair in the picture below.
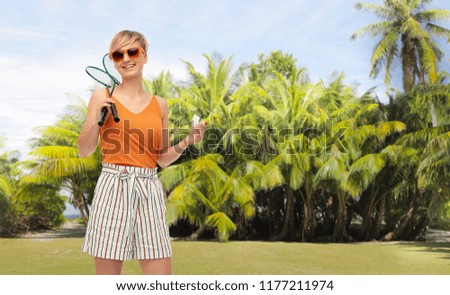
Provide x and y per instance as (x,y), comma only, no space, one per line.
(127,37)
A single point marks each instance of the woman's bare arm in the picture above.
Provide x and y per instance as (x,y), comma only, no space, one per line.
(88,139)
(170,154)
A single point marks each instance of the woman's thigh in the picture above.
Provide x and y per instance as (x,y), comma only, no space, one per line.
(156,266)
(107,266)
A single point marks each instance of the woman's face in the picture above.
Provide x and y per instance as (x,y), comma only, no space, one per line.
(129,60)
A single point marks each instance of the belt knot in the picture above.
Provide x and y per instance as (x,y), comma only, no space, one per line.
(122,173)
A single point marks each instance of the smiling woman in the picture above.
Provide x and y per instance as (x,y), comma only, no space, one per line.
(127,218)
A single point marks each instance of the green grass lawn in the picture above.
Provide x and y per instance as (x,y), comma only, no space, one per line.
(63,256)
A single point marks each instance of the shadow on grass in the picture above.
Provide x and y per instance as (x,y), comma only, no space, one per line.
(71,229)
(442,248)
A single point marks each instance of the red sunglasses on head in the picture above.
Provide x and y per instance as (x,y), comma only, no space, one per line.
(118,55)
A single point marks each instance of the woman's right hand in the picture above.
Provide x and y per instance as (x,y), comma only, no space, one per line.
(102,102)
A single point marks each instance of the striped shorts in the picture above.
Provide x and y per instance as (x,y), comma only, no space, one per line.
(127,219)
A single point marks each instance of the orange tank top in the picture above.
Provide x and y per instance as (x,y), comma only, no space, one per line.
(136,139)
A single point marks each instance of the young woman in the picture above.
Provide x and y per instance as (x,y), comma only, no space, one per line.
(128,210)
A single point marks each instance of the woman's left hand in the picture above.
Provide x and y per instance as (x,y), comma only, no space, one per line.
(196,134)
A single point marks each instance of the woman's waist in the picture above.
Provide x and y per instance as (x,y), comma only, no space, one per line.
(142,161)
(129,169)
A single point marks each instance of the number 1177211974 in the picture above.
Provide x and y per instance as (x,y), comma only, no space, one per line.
(292,285)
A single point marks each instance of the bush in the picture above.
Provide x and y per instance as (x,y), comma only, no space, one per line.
(7,217)
(42,210)
(34,208)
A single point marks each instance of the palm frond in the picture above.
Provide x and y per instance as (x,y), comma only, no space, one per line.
(428,59)
(222,223)
(5,186)
(390,127)
(273,176)
(197,78)
(201,197)
(364,171)
(438,144)
(60,134)
(439,31)
(373,30)
(64,167)
(332,169)
(432,169)
(296,175)
(172,176)
(54,152)
(182,204)
(383,49)
(243,196)
(381,11)
(388,64)
(432,15)
(421,137)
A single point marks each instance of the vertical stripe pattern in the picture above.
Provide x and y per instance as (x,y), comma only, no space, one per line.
(127,218)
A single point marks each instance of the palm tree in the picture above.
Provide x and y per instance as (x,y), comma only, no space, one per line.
(362,139)
(429,182)
(287,111)
(210,92)
(162,85)
(8,188)
(407,32)
(26,206)
(375,177)
(56,159)
(206,95)
(208,196)
(7,183)
(418,179)
(437,96)
(409,185)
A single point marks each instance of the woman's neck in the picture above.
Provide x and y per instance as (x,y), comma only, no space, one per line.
(133,87)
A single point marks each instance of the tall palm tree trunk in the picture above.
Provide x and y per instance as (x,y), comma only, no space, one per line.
(79,200)
(198,233)
(367,222)
(381,209)
(408,63)
(400,229)
(80,205)
(287,232)
(340,232)
(309,220)
(86,207)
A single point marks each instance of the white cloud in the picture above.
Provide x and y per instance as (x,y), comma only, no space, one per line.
(47,44)
(8,34)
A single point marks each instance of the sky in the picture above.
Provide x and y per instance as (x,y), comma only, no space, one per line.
(46,45)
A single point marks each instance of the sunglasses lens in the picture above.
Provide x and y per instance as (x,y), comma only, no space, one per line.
(133,52)
(117,56)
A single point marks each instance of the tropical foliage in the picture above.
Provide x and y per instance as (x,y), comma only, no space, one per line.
(55,160)
(407,32)
(283,158)
(26,207)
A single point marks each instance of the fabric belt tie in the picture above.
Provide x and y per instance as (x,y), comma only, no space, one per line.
(133,177)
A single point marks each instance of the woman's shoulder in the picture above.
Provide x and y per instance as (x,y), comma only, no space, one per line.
(99,93)
(162,104)
(160,100)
